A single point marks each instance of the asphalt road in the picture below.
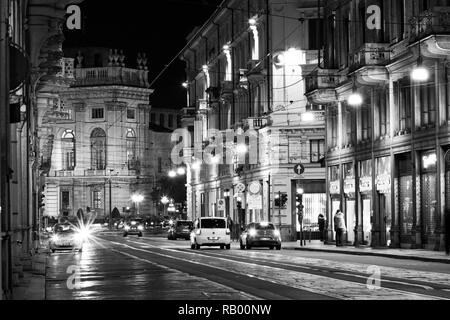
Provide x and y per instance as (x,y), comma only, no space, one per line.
(148,268)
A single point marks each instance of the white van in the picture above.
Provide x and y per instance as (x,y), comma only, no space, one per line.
(211,232)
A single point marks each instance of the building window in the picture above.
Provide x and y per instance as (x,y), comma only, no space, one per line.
(98,113)
(427,100)
(131,149)
(159,165)
(131,114)
(68,150)
(366,124)
(170,121)
(98,149)
(404,100)
(97,199)
(315,34)
(334,128)
(383,111)
(162,120)
(65,202)
(349,125)
(317,150)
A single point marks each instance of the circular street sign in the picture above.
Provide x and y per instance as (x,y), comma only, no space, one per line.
(255,187)
(240,188)
(299,169)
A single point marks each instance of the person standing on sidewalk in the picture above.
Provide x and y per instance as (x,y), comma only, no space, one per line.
(321,222)
(339,227)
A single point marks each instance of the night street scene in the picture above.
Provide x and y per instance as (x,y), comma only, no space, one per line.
(241,151)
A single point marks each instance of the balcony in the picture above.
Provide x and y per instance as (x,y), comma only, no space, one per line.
(369,61)
(321,84)
(434,26)
(256,123)
(111,76)
(67,67)
(370,54)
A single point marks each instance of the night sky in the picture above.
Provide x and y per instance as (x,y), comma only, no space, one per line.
(158,28)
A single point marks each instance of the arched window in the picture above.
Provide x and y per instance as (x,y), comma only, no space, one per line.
(98,149)
(131,149)
(68,150)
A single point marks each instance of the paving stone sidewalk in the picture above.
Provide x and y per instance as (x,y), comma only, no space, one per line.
(411,254)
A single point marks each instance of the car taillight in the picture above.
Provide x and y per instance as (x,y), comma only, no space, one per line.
(228,232)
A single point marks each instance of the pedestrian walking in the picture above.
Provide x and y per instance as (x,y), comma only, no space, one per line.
(339,227)
(447,231)
(230,226)
(321,222)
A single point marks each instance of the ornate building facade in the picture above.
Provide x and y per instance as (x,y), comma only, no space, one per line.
(245,74)
(387,154)
(96,135)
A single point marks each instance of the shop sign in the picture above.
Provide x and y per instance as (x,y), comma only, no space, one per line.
(349,186)
(335,187)
(365,184)
(383,183)
(254,202)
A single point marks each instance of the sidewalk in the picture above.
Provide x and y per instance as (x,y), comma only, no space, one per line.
(410,254)
(32,285)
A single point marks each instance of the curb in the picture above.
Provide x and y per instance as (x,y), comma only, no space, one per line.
(376,254)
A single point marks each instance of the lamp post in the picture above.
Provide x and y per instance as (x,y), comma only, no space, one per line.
(165,200)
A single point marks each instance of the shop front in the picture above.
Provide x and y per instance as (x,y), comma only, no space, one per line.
(383,187)
(350,201)
(404,194)
(430,215)
(365,195)
(334,198)
(314,203)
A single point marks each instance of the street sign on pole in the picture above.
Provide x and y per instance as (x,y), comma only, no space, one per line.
(221,205)
(299,169)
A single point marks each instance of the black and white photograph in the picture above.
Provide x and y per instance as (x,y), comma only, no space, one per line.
(225,155)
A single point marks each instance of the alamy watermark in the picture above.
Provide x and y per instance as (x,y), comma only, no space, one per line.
(74,279)
(374,280)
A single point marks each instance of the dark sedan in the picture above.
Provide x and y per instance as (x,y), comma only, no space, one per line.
(262,234)
(181,229)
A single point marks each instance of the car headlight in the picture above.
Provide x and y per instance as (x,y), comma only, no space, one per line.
(127,228)
(140,228)
(55,238)
(198,232)
(277,233)
(252,232)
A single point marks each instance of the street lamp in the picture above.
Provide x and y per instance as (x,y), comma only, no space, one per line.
(181,171)
(355,99)
(165,200)
(420,73)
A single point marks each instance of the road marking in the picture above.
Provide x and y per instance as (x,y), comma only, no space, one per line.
(327,271)
(297,285)
(219,285)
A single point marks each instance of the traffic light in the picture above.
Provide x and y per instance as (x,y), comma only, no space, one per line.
(281,200)
(284,200)
(239,204)
(41,198)
(299,206)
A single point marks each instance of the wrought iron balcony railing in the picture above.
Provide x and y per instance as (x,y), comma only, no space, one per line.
(370,54)
(428,22)
(322,79)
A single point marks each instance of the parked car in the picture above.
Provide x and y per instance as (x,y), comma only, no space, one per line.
(133,227)
(181,229)
(211,232)
(66,237)
(263,234)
